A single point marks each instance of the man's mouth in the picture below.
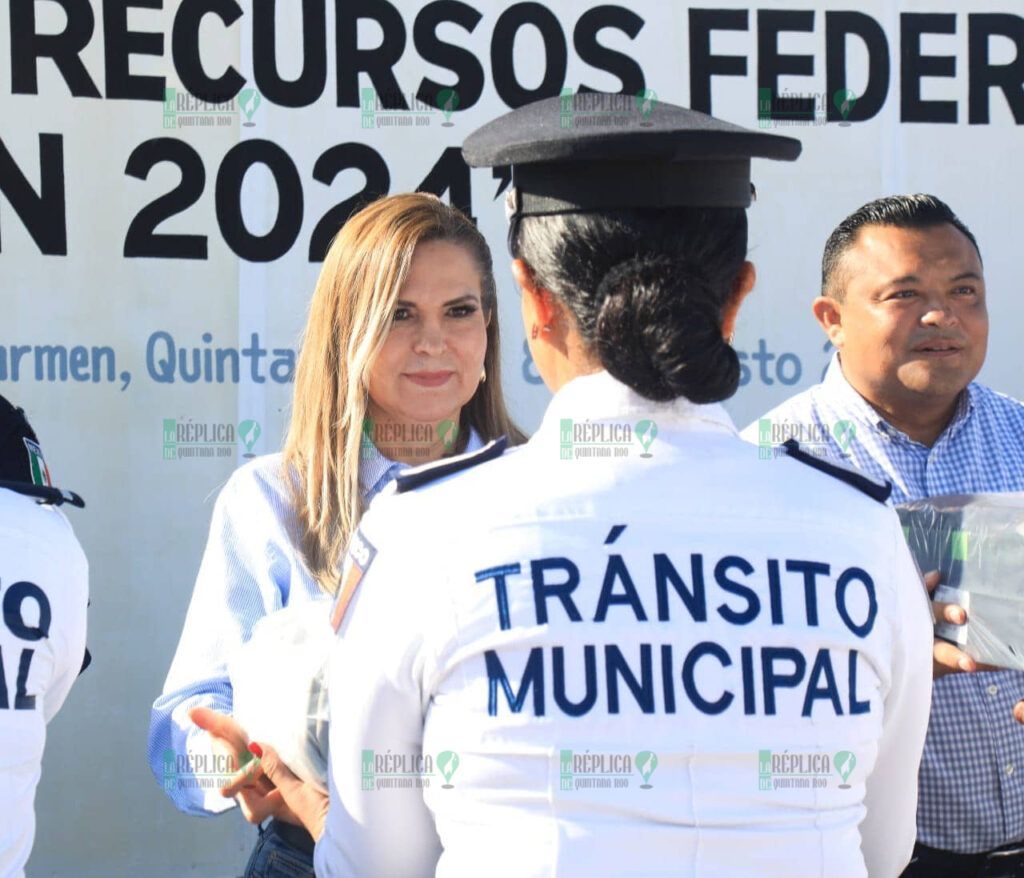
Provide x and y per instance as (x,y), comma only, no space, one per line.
(939,347)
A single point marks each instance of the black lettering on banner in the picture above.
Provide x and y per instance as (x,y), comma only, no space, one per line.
(469,83)
(450,174)
(377,63)
(64,48)
(228,199)
(43,213)
(839,26)
(914,67)
(771,65)
(185,50)
(119,44)
(704,65)
(307,87)
(984,75)
(584,39)
(342,157)
(502,51)
(141,238)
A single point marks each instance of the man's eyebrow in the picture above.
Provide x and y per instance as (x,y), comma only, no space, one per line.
(967,275)
(905,279)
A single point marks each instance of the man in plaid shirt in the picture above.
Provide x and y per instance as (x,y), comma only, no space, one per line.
(903,301)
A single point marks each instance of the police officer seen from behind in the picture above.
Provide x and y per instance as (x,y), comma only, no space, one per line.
(44,590)
(626,647)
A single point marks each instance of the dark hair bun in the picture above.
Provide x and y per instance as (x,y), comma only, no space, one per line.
(659,330)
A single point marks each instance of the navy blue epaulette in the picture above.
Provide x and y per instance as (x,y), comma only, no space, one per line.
(879,491)
(430,472)
(45,494)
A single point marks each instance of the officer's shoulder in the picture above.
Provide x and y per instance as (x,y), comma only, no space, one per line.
(35,519)
(873,488)
(418,478)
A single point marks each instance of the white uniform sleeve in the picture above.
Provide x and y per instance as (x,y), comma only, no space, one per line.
(72,569)
(380,672)
(890,826)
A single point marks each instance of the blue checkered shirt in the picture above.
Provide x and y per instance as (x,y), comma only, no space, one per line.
(971,782)
(250,568)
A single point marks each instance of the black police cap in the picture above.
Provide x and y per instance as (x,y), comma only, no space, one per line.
(22,466)
(592,151)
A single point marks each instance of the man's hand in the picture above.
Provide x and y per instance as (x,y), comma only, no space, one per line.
(946,657)
(304,801)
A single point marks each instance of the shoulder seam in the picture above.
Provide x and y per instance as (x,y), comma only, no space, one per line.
(430,472)
(879,491)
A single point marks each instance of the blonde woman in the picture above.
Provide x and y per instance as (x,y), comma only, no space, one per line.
(400,365)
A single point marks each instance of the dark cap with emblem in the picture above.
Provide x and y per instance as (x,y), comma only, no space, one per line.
(595,151)
(22,465)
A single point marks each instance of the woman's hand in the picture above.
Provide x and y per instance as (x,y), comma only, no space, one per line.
(301,801)
(257,798)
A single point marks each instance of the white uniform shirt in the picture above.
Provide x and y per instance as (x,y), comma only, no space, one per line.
(43,594)
(578,660)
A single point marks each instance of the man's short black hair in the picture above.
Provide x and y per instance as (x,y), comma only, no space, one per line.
(899,211)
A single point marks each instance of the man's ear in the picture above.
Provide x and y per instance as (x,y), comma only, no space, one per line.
(741,287)
(539,307)
(829,314)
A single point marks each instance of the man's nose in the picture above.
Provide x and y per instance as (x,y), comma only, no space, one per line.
(939,313)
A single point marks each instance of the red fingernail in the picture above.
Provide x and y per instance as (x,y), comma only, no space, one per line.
(256,750)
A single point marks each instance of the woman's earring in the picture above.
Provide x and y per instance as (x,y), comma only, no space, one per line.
(483,375)
(547,327)
(729,340)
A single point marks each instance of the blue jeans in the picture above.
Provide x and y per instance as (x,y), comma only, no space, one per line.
(276,856)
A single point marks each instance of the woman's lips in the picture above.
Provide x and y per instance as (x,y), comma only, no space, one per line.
(429,379)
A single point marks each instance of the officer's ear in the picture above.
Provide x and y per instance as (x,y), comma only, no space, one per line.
(741,287)
(540,308)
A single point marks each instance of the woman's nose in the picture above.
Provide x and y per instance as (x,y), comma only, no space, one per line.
(430,339)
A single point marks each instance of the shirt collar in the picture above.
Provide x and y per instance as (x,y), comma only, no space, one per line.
(377,471)
(839,389)
(600,397)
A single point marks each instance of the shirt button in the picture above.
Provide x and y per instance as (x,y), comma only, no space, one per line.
(1009,768)
(993,689)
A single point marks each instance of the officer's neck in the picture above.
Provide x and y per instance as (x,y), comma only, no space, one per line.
(562,358)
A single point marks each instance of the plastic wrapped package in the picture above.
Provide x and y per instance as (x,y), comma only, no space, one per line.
(280,686)
(976,542)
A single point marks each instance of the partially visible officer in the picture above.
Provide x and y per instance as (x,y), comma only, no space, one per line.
(903,300)
(43,592)
(627,647)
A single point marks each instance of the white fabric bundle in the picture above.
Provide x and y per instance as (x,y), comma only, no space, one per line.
(280,689)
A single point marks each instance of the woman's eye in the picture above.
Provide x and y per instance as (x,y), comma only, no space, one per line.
(400,314)
(462,310)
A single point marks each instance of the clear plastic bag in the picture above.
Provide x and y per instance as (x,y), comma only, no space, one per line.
(280,687)
(976,542)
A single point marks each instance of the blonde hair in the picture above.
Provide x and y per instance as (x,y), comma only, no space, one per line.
(349,319)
